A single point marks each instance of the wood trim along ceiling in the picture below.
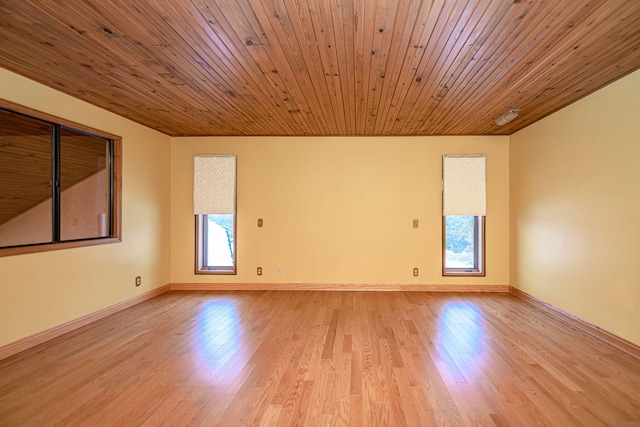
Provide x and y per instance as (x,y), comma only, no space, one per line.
(323,67)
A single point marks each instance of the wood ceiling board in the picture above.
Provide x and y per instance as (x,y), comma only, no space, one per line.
(323,67)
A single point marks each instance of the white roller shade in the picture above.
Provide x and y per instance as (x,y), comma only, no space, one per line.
(464,185)
(214,185)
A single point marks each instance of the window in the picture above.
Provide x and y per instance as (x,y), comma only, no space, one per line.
(214,201)
(463,215)
(216,241)
(463,248)
(58,183)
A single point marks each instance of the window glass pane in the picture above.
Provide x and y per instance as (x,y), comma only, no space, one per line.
(219,241)
(460,242)
(25,180)
(84,186)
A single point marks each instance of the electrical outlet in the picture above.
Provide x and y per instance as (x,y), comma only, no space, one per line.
(278,271)
(259,271)
(138,281)
(416,223)
(415,272)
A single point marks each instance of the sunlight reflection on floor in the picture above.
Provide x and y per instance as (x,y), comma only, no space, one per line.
(460,340)
(219,342)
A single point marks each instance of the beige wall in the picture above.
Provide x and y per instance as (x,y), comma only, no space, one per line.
(574,209)
(40,291)
(339,210)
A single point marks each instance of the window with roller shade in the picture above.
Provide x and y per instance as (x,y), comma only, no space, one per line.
(214,203)
(463,215)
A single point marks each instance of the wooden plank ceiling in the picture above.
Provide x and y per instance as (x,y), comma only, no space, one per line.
(323,67)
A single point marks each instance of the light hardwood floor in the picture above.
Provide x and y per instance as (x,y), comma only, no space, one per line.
(323,358)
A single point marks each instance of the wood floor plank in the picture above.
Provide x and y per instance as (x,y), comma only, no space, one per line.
(285,358)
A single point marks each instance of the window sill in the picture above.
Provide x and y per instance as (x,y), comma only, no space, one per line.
(462,272)
(45,247)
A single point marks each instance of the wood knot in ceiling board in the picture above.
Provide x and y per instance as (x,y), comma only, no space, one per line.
(251,41)
(77,30)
